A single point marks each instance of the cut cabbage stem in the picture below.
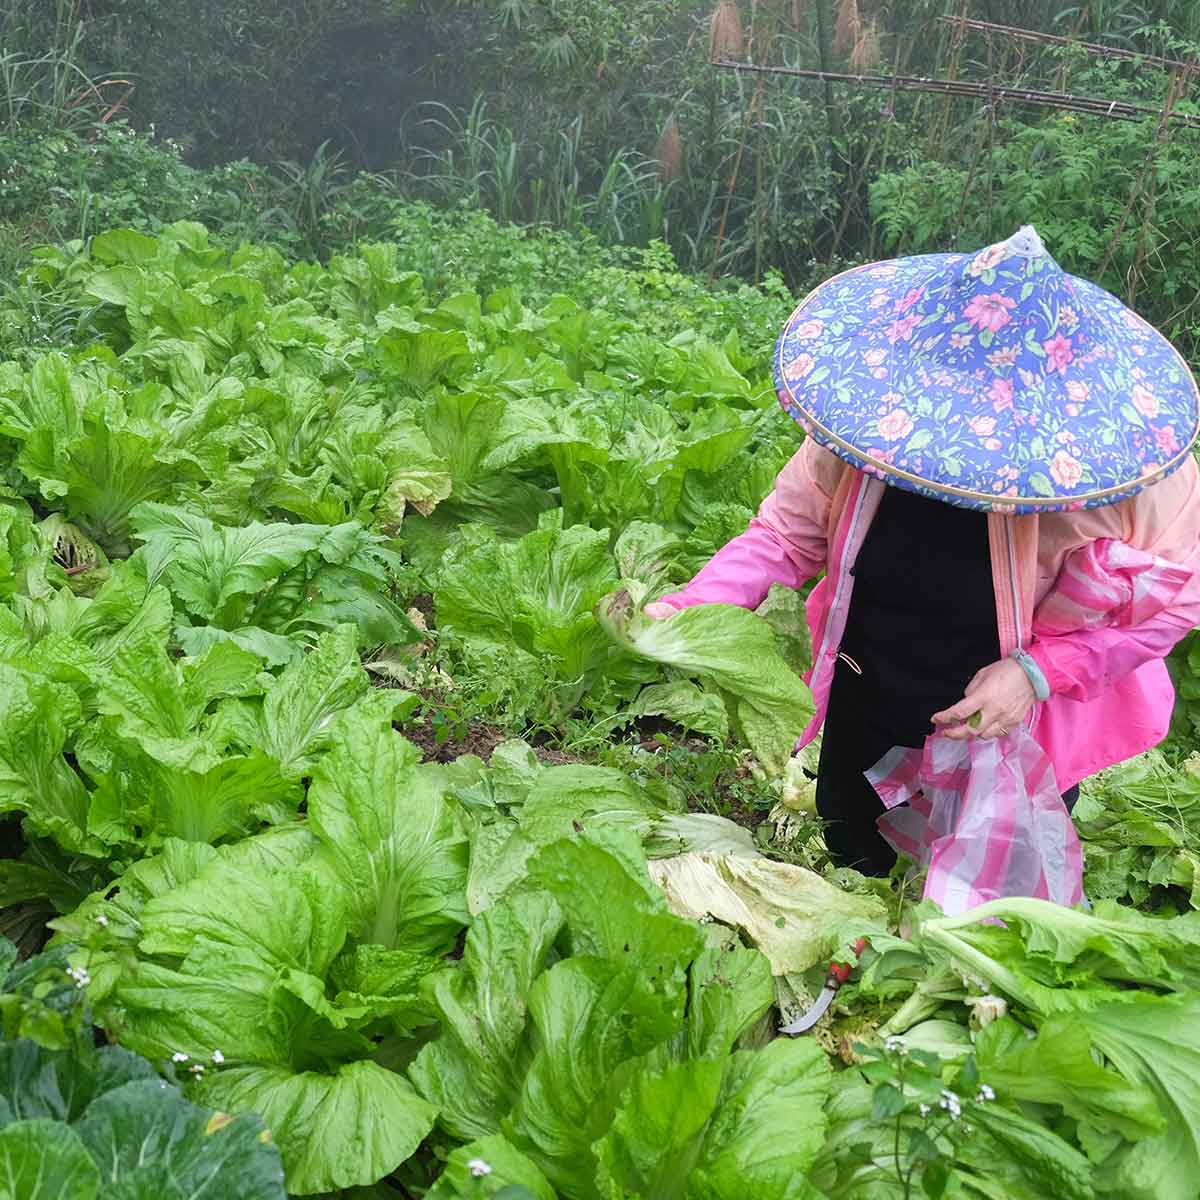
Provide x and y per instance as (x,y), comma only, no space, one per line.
(975,719)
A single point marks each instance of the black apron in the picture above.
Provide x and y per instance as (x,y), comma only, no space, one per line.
(922,621)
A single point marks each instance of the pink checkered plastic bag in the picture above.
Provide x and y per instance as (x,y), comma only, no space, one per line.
(985,816)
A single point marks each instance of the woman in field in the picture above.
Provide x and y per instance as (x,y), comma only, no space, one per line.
(972,421)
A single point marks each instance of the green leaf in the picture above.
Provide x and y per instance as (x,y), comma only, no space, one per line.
(936,1177)
(349,1128)
(658,1131)
(780,1087)
(1155,1041)
(1057,1067)
(146,1128)
(537,593)
(124,246)
(708,1129)
(734,650)
(294,724)
(393,844)
(510,1175)
(285,919)
(621,916)
(589,1016)
(36,719)
(687,704)
(888,1102)
(473,1070)
(208,566)
(44,1160)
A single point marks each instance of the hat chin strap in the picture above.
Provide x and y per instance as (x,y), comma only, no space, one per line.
(1026,243)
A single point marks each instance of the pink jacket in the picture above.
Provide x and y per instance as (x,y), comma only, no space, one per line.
(1111,696)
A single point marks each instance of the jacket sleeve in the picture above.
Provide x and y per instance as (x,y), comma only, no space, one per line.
(1164,520)
(784,544)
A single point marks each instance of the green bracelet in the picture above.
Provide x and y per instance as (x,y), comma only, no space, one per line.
(1028,664)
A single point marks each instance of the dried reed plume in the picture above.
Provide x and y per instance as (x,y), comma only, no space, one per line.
(726,39)
(669,151)
(866,49)
(847,27)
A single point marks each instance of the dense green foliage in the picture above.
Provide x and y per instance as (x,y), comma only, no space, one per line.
(584,114)
(354,793)
(283,541)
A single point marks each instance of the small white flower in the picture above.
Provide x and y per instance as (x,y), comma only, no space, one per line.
(985,1093)
(102,920)
(478,1168)
(179,1057)
(925,1110)
(197,1069)
(79,976)
(894,1045)
(218,1057)
(951,1103)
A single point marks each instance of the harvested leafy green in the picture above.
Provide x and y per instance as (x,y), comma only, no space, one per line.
(728,649)
(1140,826)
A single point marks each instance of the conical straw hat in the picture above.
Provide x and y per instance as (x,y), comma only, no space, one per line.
(992,381)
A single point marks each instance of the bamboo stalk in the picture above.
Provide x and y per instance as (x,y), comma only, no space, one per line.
(1063,101)
(1052,39)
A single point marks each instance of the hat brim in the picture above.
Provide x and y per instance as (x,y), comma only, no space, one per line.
(825,381)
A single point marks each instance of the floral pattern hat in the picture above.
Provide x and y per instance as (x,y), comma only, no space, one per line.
(991,381)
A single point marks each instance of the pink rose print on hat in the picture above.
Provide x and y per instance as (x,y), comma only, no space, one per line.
(985,260)
(990,311)
(1065,469)
(1165,439)
(1077,390)
(1001,394)
(810,329)
(902,330)
(1059,353)
(800,366)
(874,358)
(1145,401)
(909,299)
(896,425)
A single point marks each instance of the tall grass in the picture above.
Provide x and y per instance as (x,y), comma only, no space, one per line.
(49,88)
(485,164)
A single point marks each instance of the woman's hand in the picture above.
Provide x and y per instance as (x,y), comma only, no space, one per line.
(1002,695)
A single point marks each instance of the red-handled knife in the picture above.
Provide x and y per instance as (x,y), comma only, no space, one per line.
(838,974)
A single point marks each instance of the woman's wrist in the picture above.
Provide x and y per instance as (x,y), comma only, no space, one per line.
(1033,672)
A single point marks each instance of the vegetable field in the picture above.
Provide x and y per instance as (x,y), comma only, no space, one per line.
(393,852)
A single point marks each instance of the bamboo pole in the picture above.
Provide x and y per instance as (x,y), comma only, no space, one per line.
(961,21)
(1122,110)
